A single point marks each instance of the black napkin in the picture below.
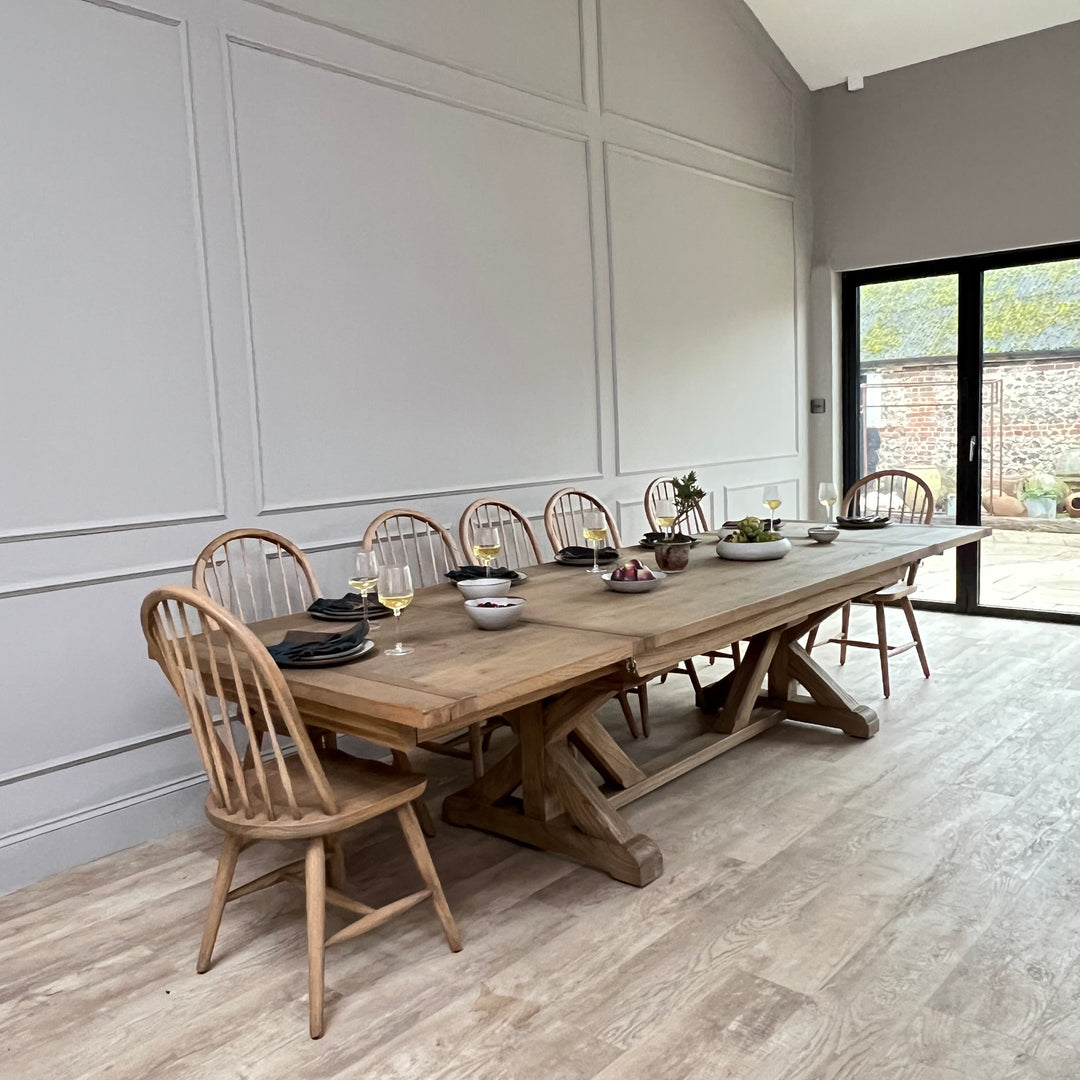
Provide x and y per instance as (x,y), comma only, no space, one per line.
(605,554)
(652,537)
(348,605)
(304,645)
(776,523)
(862,520)
(470,573)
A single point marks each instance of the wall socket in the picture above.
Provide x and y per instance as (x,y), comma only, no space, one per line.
(817,404)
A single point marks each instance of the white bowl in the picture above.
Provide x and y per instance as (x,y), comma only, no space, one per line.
(823,534)
(770,549)
(507,610)
(477,588)
(635,586)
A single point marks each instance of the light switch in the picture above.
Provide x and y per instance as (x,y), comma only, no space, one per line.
(817,404)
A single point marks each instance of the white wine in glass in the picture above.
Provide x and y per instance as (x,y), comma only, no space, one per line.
(396,593)
(486,546)
(594,529)
(366,576)
(664,512)
(771,498)
(826,495)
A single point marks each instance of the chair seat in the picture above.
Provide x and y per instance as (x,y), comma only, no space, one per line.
(363,789)
(891,594)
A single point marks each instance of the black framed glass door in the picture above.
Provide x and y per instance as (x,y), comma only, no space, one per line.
(966,372)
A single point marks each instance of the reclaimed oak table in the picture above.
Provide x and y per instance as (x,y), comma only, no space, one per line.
(576,647)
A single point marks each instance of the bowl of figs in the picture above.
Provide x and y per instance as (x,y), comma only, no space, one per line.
(633,576)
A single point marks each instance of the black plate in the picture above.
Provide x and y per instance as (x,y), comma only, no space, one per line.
(331,661)
(375,611)
(863,524)
(648,544)
(587,560)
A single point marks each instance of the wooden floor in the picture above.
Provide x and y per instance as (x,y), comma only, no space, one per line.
(907,907)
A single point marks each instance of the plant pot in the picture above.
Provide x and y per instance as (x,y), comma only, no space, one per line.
(672,556)
(1041,508)
(1072,505)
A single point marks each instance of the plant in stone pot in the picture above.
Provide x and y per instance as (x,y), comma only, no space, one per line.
(673,553)
(1040,493)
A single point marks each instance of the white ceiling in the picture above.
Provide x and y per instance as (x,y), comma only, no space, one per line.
(828,40)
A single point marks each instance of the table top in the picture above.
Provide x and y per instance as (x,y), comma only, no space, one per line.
(575,630)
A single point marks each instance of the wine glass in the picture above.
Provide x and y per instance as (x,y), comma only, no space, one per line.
(594,529)
(771,498)
(366,576)
(486,546)
(826,495)
(664,512)
(396,593)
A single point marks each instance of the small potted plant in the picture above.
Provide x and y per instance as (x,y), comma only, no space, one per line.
(1040,493)
(673,553)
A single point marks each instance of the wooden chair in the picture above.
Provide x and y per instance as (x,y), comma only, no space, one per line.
(662,488)
(903,497)
(412,538)
(282,794)
(692,521)
(520,546)
(564,518)
(255,574)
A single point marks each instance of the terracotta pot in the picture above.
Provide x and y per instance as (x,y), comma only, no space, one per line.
(672,555)
(1072,505)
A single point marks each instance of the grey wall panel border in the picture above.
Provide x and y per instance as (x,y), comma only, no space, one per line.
(668,470)
(477,73)
(594,471)
(218,510)
(80,581)
(610,148)
(689,139)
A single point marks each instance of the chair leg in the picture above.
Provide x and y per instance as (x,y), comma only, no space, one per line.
(476,748)
(422,857)
(401,761)
(335,862)
(811,638)
(643,702)
(315,888)
(230,852)
(883,646)
(736,653)
(695,682)
(845,622)
(909,613)
(628,713)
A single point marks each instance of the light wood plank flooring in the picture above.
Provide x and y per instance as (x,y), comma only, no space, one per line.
(907,908)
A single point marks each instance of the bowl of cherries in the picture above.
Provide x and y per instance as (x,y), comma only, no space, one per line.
(633,576)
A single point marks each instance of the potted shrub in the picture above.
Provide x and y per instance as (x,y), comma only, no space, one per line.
(1040,493)
(673,554)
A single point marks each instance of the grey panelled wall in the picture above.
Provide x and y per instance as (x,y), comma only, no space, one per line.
(273,261)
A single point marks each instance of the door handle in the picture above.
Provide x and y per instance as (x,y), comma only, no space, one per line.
(971,448)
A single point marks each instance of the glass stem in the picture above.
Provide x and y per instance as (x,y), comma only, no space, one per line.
(397,627)
(363,605)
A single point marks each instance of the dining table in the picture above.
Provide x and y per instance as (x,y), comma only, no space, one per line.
(562,779)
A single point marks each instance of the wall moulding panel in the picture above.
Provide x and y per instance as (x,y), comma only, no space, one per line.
(529,45)
(742,500)
(413,262)
(103,287)
(658,69)
(704,315)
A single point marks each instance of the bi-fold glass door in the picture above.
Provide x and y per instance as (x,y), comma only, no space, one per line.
(966,372)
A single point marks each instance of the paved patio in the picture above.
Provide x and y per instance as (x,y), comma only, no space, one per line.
(1020,569)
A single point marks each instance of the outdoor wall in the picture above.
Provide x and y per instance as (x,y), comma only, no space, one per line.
(1031,417)
(290,264)
(972,152)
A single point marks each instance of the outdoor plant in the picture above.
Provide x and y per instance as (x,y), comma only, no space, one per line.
(1041,486)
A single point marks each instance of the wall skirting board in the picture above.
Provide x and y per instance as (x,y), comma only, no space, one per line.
(321,258)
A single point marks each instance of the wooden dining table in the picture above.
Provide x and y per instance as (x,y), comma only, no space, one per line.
(561,783)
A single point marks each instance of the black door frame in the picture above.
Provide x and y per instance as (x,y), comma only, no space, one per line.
(968,270)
